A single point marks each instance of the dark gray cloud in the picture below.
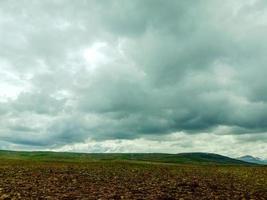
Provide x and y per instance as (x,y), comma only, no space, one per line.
(98,70)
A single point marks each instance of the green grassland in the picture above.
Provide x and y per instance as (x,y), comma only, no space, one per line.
(183,158)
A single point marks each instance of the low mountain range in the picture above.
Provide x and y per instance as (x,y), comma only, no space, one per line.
(180,158)
(252,159)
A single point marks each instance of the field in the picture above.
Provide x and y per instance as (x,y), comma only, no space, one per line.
(124,179)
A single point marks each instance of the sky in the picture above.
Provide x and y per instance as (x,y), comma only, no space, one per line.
(134,76)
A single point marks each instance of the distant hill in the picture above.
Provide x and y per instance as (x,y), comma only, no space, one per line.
(252,159)
(211,158)
(181,158)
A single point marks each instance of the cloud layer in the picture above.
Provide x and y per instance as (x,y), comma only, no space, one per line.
(73,72)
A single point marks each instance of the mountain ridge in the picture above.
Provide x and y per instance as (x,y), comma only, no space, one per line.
(178,158)
(252,159)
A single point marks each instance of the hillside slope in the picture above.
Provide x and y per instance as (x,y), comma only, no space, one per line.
(252,159)
(183,158)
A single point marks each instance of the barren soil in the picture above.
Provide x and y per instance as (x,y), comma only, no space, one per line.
(129,180)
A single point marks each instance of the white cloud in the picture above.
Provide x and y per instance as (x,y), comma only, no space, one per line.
(174,143)
(95,56)
(117,72)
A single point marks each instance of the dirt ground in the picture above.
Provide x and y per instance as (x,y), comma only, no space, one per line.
(124,180)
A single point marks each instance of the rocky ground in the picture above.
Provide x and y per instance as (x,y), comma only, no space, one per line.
(124,180)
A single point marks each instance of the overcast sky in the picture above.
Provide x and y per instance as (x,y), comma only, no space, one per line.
(134,76)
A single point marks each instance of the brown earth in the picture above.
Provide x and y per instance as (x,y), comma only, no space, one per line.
(125,180)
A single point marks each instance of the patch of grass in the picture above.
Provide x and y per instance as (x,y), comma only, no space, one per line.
(186,158)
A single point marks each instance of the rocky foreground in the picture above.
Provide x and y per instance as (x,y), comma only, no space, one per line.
(126,180)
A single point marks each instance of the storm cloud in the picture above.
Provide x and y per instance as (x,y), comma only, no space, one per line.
(131,71)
